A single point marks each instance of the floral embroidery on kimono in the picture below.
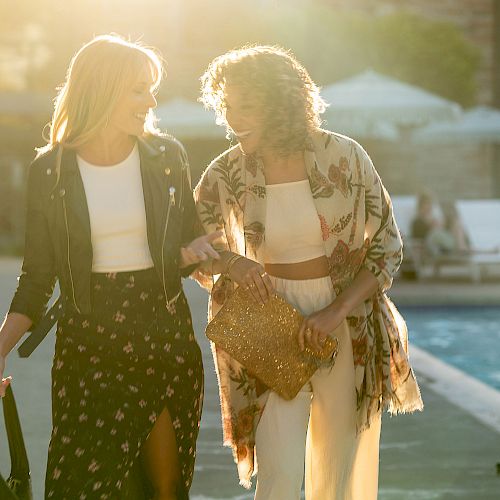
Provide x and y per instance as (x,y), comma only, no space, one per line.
(358,231)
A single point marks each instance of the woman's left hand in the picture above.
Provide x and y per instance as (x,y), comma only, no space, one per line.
(315,328)
(200,249)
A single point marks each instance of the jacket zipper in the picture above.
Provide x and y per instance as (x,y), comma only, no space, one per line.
(69,260)
(183,173)
(171,203)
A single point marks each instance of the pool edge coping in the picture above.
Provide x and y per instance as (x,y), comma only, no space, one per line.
(462,390)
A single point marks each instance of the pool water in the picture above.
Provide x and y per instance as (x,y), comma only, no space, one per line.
(465,337)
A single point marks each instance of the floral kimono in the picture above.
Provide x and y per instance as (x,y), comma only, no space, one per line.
(359,231)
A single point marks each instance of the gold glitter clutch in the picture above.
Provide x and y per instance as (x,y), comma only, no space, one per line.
(263,338)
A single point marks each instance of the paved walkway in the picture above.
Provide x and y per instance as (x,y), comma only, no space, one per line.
(445,452)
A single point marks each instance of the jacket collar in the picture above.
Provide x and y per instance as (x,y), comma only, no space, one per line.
(149,147)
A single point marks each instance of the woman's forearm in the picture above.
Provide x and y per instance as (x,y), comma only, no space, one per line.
(364,286)
(12,329)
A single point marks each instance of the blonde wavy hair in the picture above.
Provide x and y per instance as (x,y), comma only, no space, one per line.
(272,79)
(97,77)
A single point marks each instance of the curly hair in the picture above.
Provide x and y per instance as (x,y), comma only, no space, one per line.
(272,79)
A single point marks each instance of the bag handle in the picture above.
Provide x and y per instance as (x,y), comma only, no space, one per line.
(18,485)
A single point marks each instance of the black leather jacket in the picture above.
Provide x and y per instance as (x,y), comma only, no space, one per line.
(58,243)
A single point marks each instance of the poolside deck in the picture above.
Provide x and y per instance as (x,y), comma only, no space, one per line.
(449,451)
(451,292)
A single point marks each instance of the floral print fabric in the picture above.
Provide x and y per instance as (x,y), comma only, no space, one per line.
(114,372)
(359,231)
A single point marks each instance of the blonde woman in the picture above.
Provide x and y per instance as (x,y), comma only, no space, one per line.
(111,216)
(304,214)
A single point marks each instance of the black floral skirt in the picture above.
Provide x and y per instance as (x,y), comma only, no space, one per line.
(114,372)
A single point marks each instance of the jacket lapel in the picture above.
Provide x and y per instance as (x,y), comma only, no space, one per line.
(72,189)
(152,189)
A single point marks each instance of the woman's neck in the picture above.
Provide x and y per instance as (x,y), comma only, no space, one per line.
(107,149)
(278,169)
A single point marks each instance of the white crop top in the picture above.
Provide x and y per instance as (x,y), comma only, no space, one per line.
(117,215)
(293,230)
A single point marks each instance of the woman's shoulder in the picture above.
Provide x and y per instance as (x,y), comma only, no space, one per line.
(41,170)
(219,164)
(44,160)
(334,143)
(230,154)
(44,153)
(228,157)
(332,148)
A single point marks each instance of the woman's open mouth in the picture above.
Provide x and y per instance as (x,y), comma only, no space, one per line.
(243,134)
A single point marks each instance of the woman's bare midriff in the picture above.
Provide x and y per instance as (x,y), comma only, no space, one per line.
(306,270)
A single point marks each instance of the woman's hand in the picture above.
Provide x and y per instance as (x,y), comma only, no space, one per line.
(200,249)
(252,277)
(315,328)
(318,325)
(13,328)
(4,381)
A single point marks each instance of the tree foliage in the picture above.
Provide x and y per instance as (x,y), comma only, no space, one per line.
(332,44)
(432,55)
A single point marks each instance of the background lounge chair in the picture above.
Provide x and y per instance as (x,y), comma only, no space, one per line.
(481,220)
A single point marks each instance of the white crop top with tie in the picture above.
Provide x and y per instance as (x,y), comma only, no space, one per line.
(293,230)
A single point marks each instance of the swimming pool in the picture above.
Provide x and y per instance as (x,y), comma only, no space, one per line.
(465,337)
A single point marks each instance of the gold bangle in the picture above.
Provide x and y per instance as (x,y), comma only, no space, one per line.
(231,261)
(232,256)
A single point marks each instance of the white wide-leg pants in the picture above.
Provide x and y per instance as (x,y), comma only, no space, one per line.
(316,431)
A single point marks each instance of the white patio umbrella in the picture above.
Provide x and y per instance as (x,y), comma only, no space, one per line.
(360,127)
(479,124)
(369,102)
(188,120)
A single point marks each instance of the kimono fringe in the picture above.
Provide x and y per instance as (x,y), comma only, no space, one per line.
(245,470)
(394,406)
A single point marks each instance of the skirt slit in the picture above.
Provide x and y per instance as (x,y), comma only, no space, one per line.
(114,371)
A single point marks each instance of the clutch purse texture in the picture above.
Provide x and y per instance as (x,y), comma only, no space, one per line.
(263,338)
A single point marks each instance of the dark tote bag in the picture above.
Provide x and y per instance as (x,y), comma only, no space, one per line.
(18,484)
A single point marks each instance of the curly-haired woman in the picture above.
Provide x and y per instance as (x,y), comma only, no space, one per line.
(111,216)
(305,215)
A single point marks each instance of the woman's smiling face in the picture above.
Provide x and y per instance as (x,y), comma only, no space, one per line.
(133,106)
(244,118)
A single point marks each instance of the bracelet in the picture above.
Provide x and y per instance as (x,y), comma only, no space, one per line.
(231,261)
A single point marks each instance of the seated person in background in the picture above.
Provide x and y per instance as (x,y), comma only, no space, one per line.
(451,238)
(424,222)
